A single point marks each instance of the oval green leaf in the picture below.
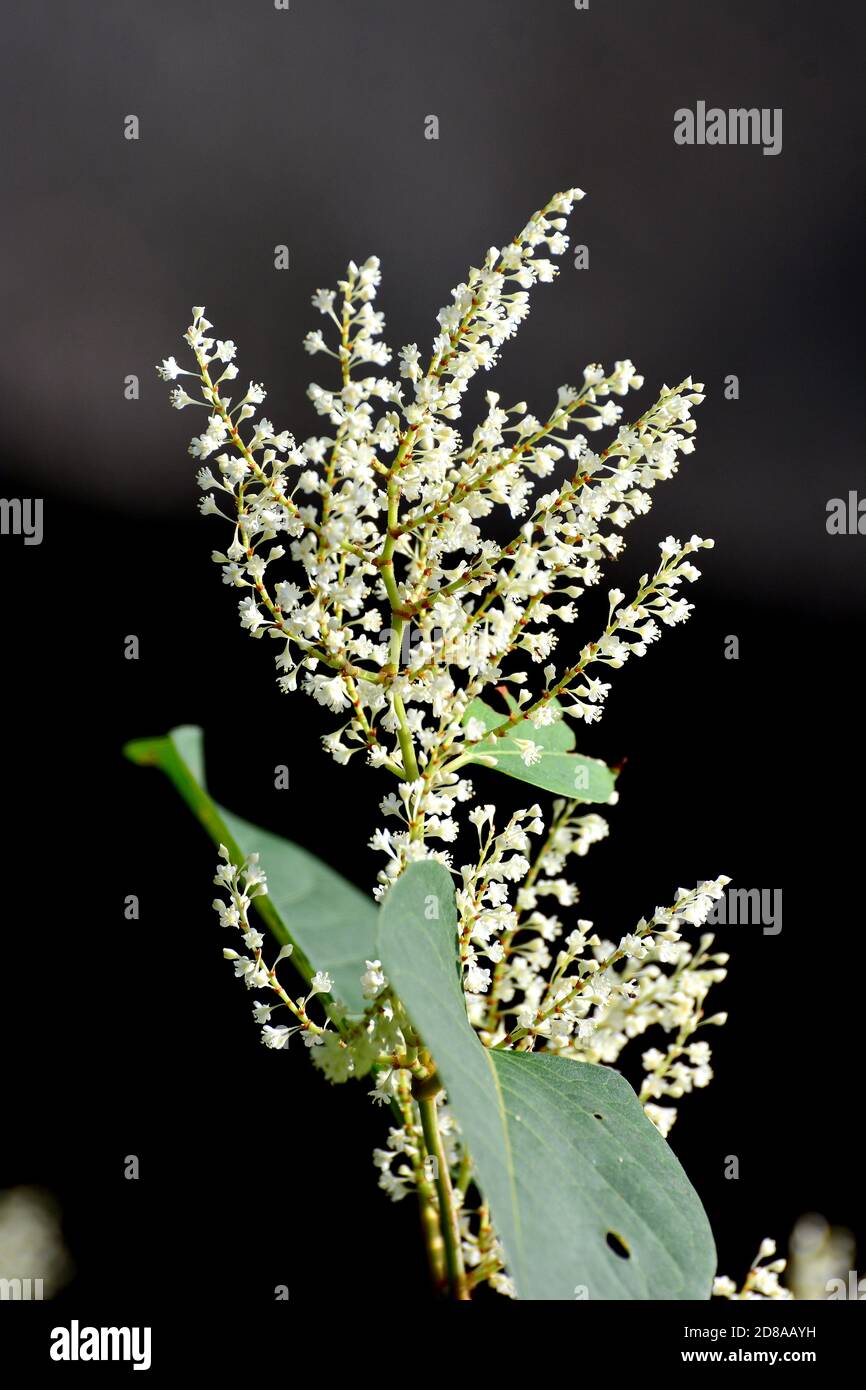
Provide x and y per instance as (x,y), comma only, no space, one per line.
(588,1199)
(556,770)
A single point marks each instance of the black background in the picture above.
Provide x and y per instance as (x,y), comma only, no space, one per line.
(306,128)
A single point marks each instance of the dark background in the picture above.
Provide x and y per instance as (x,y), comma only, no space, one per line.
(306,128)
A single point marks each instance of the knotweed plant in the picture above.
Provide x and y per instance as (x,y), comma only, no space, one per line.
(422,580)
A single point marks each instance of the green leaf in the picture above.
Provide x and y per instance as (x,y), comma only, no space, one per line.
(561,1149)
(331,923)
(558,770)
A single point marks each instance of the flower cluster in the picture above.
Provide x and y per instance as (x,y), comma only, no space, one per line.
(762,1280)
(401,610)
(243,884)
(402,606)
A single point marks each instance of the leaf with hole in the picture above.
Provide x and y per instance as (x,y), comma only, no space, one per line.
(584,1192)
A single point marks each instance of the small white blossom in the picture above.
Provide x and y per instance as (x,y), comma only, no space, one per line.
(373,980)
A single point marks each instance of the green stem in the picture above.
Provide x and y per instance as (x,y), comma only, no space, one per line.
(447,1209)
(428,1207)
(386,564)
(433,1241)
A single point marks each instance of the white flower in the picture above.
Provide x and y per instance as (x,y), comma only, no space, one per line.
(633,947)
(323,300)
(169,370)
(228,913)
(321,983)
(288,595)
(530,753)
(251,616)
(476,979)
(723,1287)
(373,981)
(328,691)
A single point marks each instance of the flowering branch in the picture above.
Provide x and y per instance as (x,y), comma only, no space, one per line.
(401,612)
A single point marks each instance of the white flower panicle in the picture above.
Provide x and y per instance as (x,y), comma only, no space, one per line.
(589,997)
(242,885)
(400,611)
(399,608)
